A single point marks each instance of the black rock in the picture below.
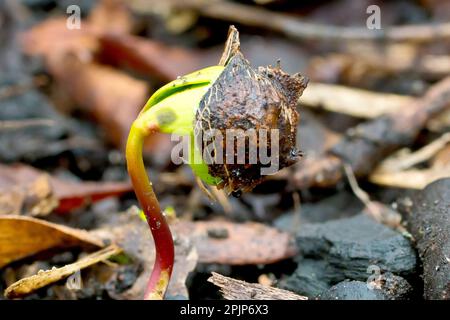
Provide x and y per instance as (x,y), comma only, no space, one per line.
(351,245)
(353,290)
(394,287)
(311,278)
(429,223)
(385,287)
(356,248)
(341,205)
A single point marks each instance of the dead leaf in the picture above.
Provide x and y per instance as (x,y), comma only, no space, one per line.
(52,37)
(110,96)
(30,284)
(22,237)
(111,16)
(236,244)
(150,57)
(27,185)
(33,197)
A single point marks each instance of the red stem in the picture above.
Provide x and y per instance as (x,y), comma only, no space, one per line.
(162,236)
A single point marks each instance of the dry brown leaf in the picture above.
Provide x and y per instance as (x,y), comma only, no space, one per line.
(110,96)
(236,244)
(111,16)
(33,197)
(52,37)
(22,237)
(150,57)
(27,185)
(30,284)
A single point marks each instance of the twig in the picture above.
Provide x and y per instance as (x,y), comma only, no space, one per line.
(393,171)
(392,58)
(377,211)
(367,144)
(296,28)
(360,193)
(399,162)
(14,90)
(221,197)
(30,284)
(19,124)
(351,101)
(233,289)
(363,104)
(410,179)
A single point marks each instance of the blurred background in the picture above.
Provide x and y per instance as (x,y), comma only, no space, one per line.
(75,74)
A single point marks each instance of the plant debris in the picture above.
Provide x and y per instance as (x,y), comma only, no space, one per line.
(233,289)
(43,278)
(22,237)
(363,214)
(24,189)
(249,243)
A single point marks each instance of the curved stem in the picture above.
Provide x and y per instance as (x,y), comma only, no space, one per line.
(162,236)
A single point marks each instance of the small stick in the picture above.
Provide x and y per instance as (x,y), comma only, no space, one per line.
(351,101)
(233,289)
(369,143)
(397,163)
(297,28)
(19,124)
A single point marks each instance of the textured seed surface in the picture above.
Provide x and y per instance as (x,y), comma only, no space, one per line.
(245,98)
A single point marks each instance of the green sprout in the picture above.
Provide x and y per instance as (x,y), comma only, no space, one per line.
(171,109)
(230,95)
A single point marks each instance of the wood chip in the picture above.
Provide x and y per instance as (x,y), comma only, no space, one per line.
(233,289)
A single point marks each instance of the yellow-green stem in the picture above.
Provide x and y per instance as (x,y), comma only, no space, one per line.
(162,236)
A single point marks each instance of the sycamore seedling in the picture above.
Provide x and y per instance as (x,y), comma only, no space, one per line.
(229,96)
